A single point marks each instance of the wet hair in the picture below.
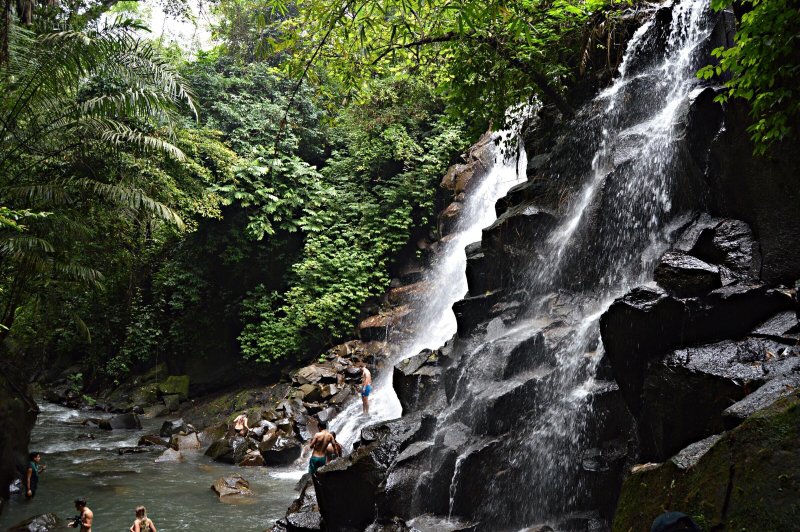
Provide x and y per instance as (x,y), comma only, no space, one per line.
(141,511)
(80,501)
(31,456)
(333,434)
(323,425)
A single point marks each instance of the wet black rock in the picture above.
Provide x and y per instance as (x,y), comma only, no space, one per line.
(128,421)
(347,489)
(303,515)
(168,428)
(471,311)
(639,328)
(761,398)
(39,523)
(280,450)
(221,451)
(685,395)
(416,379)
(682,275)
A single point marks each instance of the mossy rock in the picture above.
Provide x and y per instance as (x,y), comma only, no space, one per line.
(145,395)
(748,481)
(175,385)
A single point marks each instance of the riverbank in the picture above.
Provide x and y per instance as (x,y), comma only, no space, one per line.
(85,461)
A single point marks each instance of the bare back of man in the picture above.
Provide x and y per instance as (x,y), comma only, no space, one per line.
(319,445)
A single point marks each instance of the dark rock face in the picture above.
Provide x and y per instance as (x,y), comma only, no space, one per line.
(761,191)
(684,355)
(746,479)
(348,488)
(682,275)
(416,380)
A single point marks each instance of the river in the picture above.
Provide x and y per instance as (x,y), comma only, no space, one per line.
(178,496)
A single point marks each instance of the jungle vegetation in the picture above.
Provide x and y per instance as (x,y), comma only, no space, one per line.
(251,197)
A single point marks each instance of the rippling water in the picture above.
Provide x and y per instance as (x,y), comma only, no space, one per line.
(178,496)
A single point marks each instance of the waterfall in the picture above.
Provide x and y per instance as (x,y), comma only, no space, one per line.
(521,389)
(434,322)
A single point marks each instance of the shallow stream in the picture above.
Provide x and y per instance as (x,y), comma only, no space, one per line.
(178,496)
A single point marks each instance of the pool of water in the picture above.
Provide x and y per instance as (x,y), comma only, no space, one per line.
(178,496)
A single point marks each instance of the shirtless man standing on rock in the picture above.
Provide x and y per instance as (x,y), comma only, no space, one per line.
(319,445)
(366,387)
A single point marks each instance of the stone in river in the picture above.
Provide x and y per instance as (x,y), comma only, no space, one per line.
(123,421)
(170,455)
(168,428)
(252,458)
(39,523)
(231,485)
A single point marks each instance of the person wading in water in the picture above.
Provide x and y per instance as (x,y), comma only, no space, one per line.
(142,523)
(32,474)
(85,517)
(319,445)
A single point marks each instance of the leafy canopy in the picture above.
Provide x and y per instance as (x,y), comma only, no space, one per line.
(764,68)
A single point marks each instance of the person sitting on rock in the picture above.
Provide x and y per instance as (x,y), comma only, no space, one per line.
(366,387)
(32,474)
(85,517)
(142,523)
(319,445)
(240,424)
(334,449)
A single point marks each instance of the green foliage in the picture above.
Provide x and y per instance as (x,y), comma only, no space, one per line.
(764,68)
(377,187)
(483,56)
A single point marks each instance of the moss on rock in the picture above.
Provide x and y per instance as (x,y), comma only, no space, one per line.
(748,481)
(175,385)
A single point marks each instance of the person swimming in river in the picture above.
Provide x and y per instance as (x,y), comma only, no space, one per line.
(85,516)
(319,446)
(334,449)
(240,424)
(366,387)
(32,474)
(142,523)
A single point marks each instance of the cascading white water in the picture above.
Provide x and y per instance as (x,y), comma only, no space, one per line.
(606,241)
(434,323)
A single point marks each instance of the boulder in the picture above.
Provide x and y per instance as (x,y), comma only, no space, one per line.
(280,450)
(639,328)
(761,398)
(221,451)
(726,242)
(682,275)
(153,439)
(415,377)
(241,446)
(252,459)
(347,488)
(172,402)
(39,523)
(233,485)
(213,433)
(128,421)
(186,442)
(170,455)
(448,218)
(175,385)
(408,294)
(175,426)
(157,410)
(684,397)
(378,326)
(313,374)
(747,479)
